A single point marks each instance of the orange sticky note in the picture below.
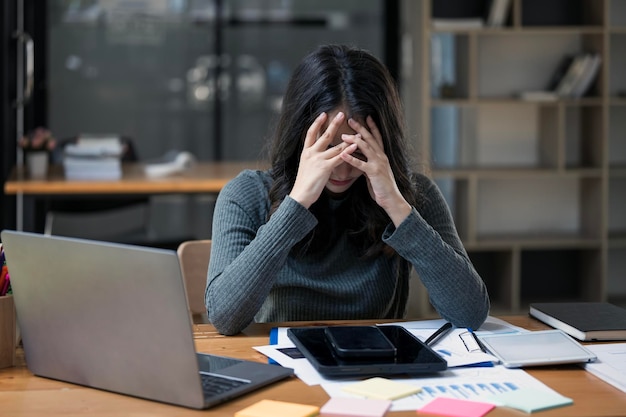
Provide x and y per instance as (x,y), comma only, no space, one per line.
(453,407)
(272,408)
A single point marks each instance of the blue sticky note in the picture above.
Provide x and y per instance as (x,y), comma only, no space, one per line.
(531,400)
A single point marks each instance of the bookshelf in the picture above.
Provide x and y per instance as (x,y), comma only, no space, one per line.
(537,188)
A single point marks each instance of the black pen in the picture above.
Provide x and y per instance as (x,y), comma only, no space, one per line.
(433,338)
(478,342)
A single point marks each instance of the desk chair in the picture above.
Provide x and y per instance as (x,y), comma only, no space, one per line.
(194,258)
(122,219)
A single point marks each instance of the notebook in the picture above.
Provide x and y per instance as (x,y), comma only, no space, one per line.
(115,317)
(584,320)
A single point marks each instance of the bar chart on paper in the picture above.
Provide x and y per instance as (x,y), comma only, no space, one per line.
(478,384)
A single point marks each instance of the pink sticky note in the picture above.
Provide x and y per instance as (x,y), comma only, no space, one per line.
(456,408)
(355,407)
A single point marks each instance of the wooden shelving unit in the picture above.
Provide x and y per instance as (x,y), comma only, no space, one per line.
(537,188)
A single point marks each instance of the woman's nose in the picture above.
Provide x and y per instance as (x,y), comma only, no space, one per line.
(342,171)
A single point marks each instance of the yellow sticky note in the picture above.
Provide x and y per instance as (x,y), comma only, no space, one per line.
(382,389)
(272,408)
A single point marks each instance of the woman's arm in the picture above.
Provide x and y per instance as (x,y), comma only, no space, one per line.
(247,251)
(429,240)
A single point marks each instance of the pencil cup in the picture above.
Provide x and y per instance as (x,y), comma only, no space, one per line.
(7,331)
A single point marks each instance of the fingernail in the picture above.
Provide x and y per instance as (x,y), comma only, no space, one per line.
(339,115)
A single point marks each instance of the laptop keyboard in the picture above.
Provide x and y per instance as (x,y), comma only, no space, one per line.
(213,384)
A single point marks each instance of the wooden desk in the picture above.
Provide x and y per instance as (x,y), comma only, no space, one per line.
(22,394)
(203,177)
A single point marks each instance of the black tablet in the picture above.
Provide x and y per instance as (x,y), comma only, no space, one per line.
(412,356)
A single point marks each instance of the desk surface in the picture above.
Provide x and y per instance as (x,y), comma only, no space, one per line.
(202,177)
(22,394)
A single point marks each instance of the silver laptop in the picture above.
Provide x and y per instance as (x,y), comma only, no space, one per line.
(115,317)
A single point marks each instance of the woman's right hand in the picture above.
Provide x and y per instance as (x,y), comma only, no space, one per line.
(318,159)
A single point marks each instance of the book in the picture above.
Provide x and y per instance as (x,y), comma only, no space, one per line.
(559,72)
(589,72)
(93,158)
(459,24)
(574,73)
(498,12)
(585,321)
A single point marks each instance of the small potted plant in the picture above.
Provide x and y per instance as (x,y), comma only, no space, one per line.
(37,146)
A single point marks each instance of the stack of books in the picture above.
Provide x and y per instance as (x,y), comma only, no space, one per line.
(572,78)
(470,15)
(93,158)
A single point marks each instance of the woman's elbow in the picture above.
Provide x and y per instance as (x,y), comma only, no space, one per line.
(224,323)
(223,319)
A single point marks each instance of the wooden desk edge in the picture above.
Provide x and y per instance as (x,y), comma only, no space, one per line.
(25,394)
(203,177)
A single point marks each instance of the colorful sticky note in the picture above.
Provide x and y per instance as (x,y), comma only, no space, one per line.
(355,407)
(456,408)
(530,399)
(272,408)
(382,389)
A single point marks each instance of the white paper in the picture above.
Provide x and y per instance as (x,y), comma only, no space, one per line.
(610,365)
(450,347)
(477,384)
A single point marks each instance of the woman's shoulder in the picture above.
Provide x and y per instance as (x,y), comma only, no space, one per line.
(249,180)
(428,193)
(423,183)
(249,191)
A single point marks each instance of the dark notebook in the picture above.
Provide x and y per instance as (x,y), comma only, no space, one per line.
(583,320)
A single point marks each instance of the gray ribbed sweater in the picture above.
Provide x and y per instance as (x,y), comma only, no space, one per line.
(252,276)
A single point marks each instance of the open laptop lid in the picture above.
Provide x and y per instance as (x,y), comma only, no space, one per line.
(104,315)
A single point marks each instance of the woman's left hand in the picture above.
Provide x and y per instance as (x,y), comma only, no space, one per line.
(375,165)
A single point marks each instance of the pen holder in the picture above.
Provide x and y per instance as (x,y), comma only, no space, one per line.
(7,331)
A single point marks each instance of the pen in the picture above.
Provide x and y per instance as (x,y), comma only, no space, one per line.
(433,338)
(478,342)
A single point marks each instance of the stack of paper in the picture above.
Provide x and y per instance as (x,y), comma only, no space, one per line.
(93,158)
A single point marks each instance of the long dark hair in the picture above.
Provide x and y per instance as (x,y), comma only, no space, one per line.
(330,77)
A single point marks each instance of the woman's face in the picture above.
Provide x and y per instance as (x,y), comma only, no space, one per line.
(344,175)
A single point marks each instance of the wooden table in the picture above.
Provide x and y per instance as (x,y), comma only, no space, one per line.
(202,177)
(22,394)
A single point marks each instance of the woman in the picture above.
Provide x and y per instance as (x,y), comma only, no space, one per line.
(332,229)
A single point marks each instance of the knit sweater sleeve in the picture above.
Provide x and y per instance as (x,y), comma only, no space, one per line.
(247,250)
(429,241)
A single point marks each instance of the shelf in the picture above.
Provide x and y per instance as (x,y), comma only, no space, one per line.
(531,185)
(514,100)
(617,240)
(526,30)
(618,171)
(515,173)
